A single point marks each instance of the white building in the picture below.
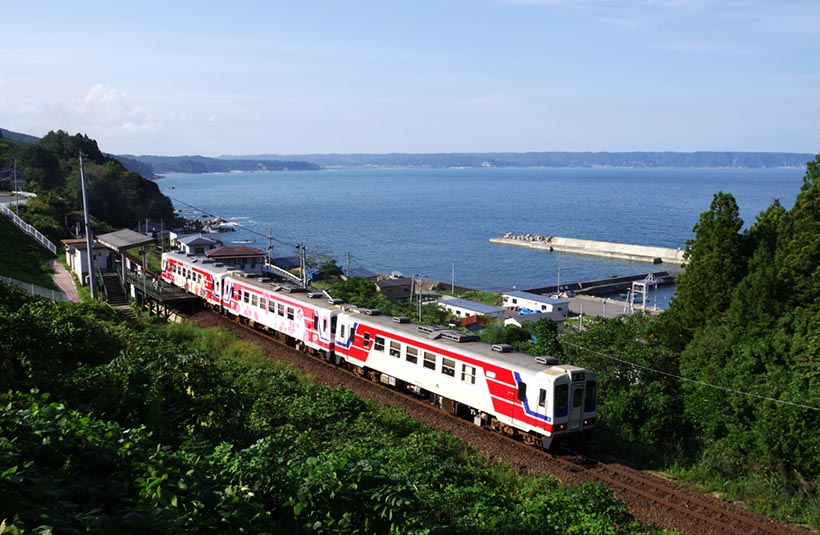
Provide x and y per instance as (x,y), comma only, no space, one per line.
(76,256)
(521,319)
(535,302)
(463,308)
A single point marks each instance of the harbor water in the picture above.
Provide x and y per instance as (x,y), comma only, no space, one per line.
(429,221)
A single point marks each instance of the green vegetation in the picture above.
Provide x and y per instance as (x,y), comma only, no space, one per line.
(117,197)
(743,328)
(175,429)
(22,258)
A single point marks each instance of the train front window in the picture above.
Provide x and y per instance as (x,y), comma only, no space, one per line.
(591,399)
(577,397)
(542,398)
(561,400)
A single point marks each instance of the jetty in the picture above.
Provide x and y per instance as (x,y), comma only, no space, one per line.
(623,251)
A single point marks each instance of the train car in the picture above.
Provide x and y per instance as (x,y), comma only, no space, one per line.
(197,274)
(514,393)
(306,319)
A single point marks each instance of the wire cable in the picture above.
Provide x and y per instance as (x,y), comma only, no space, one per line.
(695,381)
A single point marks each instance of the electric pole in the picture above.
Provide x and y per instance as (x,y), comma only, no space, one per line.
(16,193)
(348,265)
(92,280)
(453,279)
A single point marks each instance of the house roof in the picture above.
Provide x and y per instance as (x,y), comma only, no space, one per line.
(196,239)
(361,272)
(394,283)
(538,298)
(286,262)
(235,251)
(472,306)
(469,320)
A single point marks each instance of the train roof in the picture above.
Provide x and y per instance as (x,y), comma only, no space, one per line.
(309,296)
(202,263)
(465,343)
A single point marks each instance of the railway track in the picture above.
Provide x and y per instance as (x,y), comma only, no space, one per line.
(705,515)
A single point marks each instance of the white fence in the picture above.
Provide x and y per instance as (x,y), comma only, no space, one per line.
(33,232)
(33,289)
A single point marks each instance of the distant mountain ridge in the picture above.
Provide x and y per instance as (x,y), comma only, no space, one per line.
(17,137)
(550,159)
(203,164)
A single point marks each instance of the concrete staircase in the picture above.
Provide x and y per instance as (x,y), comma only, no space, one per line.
(115,296)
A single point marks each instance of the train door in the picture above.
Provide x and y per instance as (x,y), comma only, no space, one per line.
(576,411)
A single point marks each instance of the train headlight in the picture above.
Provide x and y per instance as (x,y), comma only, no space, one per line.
(562,427)
(589,421)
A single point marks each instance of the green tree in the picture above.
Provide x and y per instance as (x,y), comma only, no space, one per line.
(716,260)
(546,338)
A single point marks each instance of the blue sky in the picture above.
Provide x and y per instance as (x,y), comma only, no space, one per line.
(240,77)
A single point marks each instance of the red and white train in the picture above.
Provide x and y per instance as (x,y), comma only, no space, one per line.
(513,393)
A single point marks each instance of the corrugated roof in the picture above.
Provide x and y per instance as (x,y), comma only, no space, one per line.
(124,239)
(234,251)
(472,306)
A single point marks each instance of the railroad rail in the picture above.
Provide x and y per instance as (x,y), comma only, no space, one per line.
(713,518)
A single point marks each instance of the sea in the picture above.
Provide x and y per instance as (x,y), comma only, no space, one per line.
(438,222)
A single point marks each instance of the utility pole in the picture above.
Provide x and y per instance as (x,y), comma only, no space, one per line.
(92,279)
(16,192)
(270,246)
(453,279)
(348,265)
(303,264)
(558,286)
(420,288)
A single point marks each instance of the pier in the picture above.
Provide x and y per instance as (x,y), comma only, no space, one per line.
(605,286)
(623,251)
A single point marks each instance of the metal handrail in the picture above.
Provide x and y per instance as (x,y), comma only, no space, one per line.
(28,229)
(101,281)
(33,289)
(162,291)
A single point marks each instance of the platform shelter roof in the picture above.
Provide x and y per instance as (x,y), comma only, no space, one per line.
(124,239)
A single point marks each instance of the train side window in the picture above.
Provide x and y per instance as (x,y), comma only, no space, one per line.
(522,391)
(254,300)
(468,374)
(263,303)
(591,399)
(561,400)
(366,340)
(448,367)
(395,349)
(542,398)
(245,296)
(411,355)
(429,361)
(378,343)
(280,309)
(290,313)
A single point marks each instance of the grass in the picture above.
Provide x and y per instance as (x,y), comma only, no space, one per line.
(22,258)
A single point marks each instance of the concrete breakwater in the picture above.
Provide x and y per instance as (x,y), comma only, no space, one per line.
(624,251)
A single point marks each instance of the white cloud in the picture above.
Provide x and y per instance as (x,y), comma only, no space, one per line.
(106,109)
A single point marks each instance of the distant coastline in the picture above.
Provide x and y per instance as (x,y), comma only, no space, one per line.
(154,166)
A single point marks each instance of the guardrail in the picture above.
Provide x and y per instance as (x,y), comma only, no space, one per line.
(33,289)
(28,229)
(162,291)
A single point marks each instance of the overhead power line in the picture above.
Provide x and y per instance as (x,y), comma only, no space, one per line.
(695,381)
